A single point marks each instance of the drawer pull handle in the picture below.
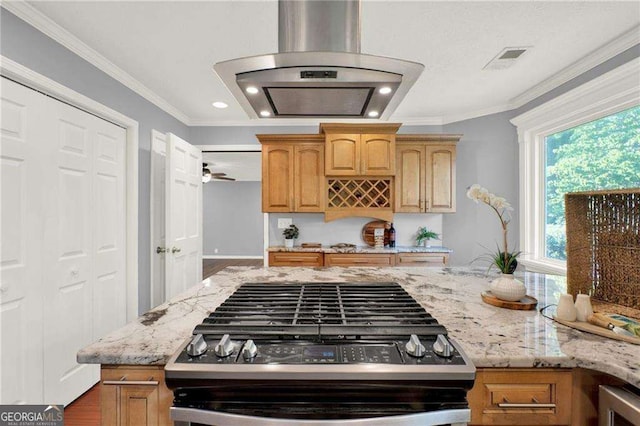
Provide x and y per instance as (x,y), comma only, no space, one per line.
(533,404)
(123,381)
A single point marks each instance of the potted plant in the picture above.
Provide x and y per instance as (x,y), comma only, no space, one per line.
(506,287)
(424,235)
(290,234)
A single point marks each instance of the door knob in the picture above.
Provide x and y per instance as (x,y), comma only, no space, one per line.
(160,250)
(176,250)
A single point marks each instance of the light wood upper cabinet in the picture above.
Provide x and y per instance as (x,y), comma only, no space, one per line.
(360,149)
(378,155)
(277,178)
(292,173)
(308,178)
(426,173)
(343,155)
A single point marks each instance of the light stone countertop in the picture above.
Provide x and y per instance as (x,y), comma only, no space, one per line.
(361,249)
(491,336)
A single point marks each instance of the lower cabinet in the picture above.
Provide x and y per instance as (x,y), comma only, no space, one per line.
(134,395)
(514,396)
(356,259)
(422,259)
(280,258)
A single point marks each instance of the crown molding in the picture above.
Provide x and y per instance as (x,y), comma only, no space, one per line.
(469,115)
(595,58)
(44,24)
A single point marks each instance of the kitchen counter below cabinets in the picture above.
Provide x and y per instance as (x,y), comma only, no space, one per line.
(358,256)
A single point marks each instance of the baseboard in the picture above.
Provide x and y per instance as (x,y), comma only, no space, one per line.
(221,256)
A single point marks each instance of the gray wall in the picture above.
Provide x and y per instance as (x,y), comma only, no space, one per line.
(29,47)
(232,219)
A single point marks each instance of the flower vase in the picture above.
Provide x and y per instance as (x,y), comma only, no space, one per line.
(288,242)
(507,287)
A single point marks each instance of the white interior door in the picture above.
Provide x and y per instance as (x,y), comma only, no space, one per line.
(21,355)
(158,238)
(183,217)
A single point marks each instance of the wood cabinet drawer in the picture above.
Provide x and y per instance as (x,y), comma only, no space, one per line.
(422,259)
(521,397)
(295,259)
(353,259)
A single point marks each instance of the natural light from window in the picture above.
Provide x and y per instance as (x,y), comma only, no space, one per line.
(601,154)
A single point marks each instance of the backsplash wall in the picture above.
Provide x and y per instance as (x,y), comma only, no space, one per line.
(314,229)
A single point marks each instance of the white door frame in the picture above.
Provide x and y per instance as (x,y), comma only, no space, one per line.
(265,223)
(24,75)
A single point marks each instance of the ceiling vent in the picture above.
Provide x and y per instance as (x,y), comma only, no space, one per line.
(506,58)
(319,71)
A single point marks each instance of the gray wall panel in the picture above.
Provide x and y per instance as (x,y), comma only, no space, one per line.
(232,219)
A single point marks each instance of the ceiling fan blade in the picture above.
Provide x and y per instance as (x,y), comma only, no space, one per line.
(218,174)
(223,178)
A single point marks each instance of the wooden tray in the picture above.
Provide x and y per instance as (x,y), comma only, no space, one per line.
(368,232)
(527,303)
(600,331)
(310,245)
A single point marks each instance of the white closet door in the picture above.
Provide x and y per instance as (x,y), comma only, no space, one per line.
(183,216)
(84,228)
(109,224)
(21,182)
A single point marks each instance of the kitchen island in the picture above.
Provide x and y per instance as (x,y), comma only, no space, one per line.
(492,337)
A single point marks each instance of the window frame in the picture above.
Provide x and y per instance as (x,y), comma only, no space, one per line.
(612,92)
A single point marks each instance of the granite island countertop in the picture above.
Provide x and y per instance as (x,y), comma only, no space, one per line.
(491,336)
(361,249)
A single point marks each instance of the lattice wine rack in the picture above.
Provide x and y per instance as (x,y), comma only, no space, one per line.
(359,193)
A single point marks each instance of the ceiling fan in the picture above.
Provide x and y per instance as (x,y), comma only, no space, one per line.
(207,175)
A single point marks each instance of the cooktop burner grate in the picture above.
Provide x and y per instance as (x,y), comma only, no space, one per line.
(327,309)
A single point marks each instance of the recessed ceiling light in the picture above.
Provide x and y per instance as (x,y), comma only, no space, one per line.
(252,90)
(373,113)
(385,90)
(220,105)
(265,113)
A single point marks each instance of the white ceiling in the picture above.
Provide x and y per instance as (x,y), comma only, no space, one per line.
(171,46)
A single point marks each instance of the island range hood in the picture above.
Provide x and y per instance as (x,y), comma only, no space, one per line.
(319,71)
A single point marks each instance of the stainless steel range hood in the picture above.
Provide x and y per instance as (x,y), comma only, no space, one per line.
(319,71)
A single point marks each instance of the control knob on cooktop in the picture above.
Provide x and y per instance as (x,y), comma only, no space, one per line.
(414,347)
(197,346)
(250,350)
(442,347)
(224,347)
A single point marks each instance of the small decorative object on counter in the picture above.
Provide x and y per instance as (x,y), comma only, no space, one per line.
(566,309)
(424,235)
(392,236)
(502,258)
(378,237)
(290,234)
(583,307)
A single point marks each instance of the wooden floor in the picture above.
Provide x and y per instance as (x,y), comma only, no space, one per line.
(85,411)
(212,266)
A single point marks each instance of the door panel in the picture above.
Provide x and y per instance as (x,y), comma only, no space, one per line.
(21,164)
(342,155)
(277,178)
(158,189)
(183,214)
(410,184)
(378,154)
(441,179)
(68,259)
(309,178)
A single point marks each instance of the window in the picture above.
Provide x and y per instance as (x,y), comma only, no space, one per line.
(601,154)
(585,139)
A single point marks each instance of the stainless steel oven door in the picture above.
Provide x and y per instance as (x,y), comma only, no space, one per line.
(188,416)
(618,407)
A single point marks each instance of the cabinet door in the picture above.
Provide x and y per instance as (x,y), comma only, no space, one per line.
(377,154)
(422,259)
(277,178)
(355,259)
(410,179)
(342,155)
(295,259)
(309,178)
(441,179)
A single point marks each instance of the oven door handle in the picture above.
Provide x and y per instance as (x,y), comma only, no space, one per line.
(185,416)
